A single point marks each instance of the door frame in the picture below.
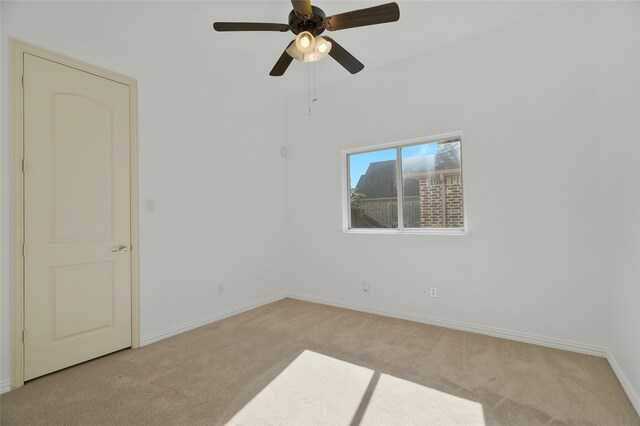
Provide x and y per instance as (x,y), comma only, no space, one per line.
(19,49)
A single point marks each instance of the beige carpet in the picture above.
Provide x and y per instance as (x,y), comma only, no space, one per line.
(294,362)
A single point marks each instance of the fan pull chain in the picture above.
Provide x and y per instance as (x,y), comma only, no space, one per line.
(315,95)
(309,84)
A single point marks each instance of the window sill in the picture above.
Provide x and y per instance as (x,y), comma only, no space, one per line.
(456,233)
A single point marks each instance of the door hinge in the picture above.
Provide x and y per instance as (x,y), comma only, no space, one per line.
(24,336)
(24,250)
(22,80)
(23,165)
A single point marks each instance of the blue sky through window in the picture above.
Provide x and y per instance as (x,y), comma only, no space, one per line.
(359,163)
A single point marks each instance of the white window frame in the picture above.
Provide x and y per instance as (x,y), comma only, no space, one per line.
(346,189)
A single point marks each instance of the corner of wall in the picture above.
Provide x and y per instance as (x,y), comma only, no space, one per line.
(624,381)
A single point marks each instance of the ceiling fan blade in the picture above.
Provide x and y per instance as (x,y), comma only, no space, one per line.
(283,63)
(389,12)
(343,57)
(249,26)
(302,8)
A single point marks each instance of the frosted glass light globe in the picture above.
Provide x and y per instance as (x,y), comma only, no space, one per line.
(305,42)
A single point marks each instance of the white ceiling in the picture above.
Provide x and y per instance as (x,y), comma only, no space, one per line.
(178,37)
(423,25)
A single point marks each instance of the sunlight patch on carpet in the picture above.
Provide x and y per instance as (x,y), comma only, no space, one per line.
(401,402)
(313,389)
(317,389)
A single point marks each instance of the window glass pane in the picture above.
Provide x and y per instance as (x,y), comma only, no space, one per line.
(432,184)
(374,198)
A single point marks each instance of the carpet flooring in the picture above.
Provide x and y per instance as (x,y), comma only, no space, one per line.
(294,362)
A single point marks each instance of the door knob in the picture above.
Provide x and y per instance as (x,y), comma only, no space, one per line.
(120,249)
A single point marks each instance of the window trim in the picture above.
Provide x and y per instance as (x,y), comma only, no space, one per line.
(398,145)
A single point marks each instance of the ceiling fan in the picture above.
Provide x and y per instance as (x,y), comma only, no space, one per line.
(307,22)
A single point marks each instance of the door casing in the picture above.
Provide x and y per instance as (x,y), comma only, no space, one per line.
(19,48)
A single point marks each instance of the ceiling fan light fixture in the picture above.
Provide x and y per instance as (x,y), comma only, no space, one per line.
(323,46)
(305,42)
(294,52)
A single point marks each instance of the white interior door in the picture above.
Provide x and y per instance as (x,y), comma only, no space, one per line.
(77,277)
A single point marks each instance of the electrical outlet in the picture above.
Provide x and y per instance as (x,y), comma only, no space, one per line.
(220,289)
(433,292)
(365,286)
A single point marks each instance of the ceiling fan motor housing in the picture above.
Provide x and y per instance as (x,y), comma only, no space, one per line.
(314,25)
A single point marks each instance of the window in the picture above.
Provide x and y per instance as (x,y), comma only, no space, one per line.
(418,181)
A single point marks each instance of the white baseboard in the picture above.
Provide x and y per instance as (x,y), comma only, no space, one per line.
(5,386)
(624,381)
(160,335)
(457,325)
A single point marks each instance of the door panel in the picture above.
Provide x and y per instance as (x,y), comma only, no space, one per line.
(82,207)
(77,212)
(91,287)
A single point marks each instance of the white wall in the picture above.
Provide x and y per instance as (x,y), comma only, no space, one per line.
(523,96)
(617,49)
(209,153)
